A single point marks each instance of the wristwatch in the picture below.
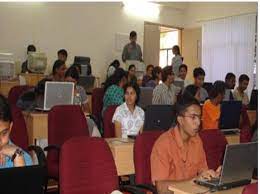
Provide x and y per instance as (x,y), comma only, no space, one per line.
(18,152)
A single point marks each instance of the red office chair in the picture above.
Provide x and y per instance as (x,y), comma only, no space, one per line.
(214,143)
(16,92)
(109,127)
(97,104)
(245,131)
(92,171)
(142,151)
(251,189)
(64,122)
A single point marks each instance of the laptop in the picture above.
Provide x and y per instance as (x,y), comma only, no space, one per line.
(28,179)
(237,169)
(179,84)
(57,93)
(87,82)
(146,97)
(230,116)
(253,100)
(207,86)
(158,117)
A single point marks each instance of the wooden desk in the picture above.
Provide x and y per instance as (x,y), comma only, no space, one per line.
(122,150)
(233,139)
(37,125)
(252,116)
(6,85)
(32,79)
(188,187)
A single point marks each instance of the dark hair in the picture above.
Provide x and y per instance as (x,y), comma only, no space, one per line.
(130,67)
(5,110)
(133,34)
(72,72)
(77,65)
(156,70)
(149,66)
(136,89)
(183,66)
(166,71)
(118,75)
(184,102)
(218,87)
(31,48)
(177,48)
(229,76)
(40,87)
(63,52)
(57,64)
(243,77)
(198,72)
(191,89)
(115,63)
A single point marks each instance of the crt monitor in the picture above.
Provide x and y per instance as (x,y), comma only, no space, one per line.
(7,66)
(37,62)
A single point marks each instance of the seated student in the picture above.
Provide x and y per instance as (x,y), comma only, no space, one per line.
(62,55)
(10,154)
(156,77)
(114,92)
(34,97)
(80,98)
(199,75)
(166,92)
(230,81)
(183,70)
(211,107)
(131,78)
(30,48)
(193,91)
(148,75)
(128,117)
(112,67)
(58,71)
(178,154)
(239,93)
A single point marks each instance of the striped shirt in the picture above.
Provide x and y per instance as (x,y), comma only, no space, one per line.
(163,94)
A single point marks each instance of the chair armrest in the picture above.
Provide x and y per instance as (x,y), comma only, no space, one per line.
(148,187)
(131,189)
(39,153)
(52,147)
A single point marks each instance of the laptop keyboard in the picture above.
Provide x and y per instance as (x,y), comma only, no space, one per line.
(213,180)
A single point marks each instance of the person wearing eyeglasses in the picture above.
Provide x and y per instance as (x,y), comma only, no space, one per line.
(178,154)
(10,154)
(211,107)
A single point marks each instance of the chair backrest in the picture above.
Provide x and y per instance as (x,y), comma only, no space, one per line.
(142,151)
(214,143)
(245,129)
(158,117)
(19,134)
(16,92)
(109,127)
(97,104)
(64,122)
(251,189)
(91,172)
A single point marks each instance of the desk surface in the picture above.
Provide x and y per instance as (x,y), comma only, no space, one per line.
(189,187)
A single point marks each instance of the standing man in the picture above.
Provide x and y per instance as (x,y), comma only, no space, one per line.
(132,51)
(30,48)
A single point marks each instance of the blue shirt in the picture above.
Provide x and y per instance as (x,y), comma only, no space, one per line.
(10,164)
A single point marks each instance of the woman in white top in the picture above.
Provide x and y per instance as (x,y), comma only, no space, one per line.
(128,117)
(176,60)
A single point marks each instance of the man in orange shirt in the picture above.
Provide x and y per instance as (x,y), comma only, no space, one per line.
(211,107)
(178,154)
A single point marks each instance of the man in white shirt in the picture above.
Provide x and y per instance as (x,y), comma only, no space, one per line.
(239,93)
(183,70)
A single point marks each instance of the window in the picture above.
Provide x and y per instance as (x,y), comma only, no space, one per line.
(168,38)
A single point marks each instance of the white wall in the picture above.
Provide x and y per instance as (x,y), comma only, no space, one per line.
(86,29)
(196,12)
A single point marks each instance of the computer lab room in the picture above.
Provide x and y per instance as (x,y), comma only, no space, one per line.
(129,97)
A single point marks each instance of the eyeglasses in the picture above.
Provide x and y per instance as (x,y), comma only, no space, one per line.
(192,116)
